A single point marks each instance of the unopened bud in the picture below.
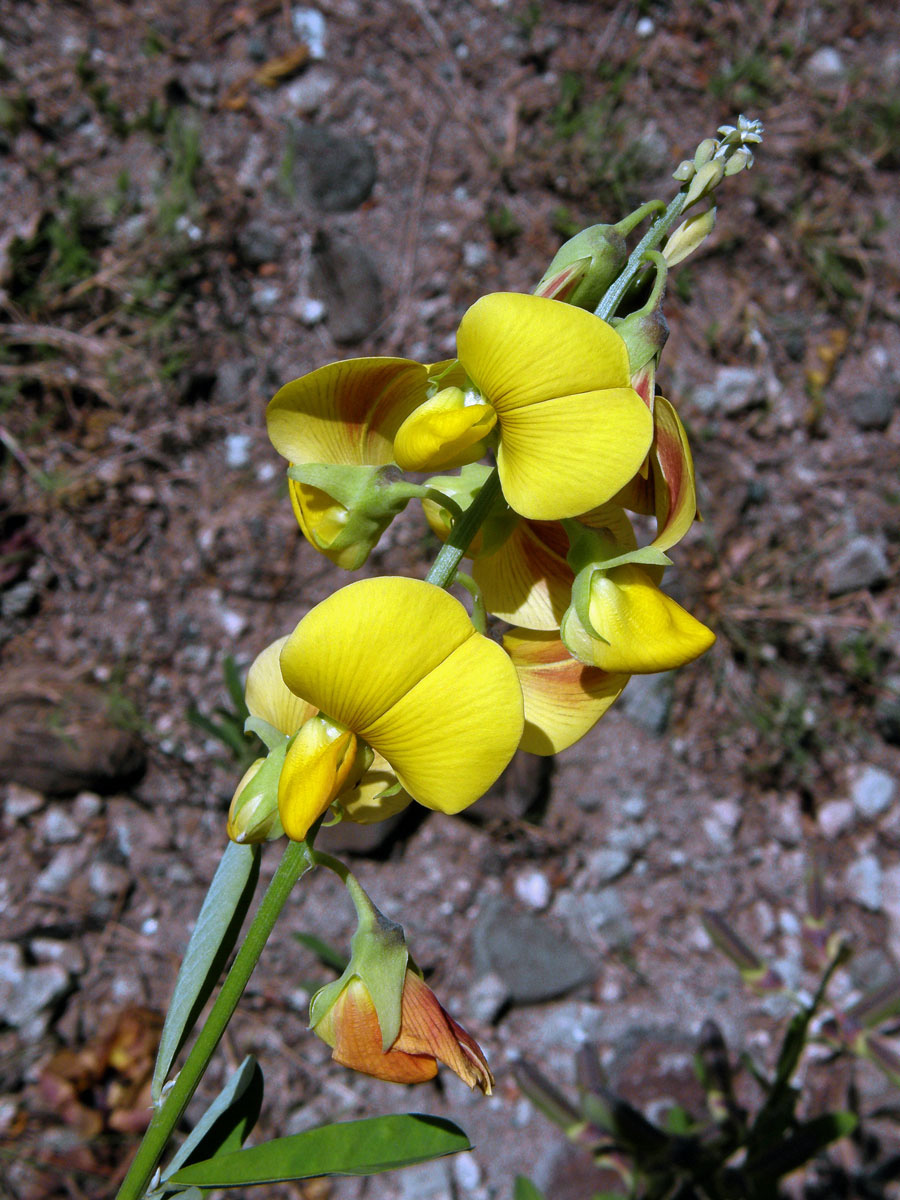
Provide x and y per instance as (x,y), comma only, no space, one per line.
(707,178)
(704,152)
(253,812)
(684,171)
(604,248)
(739,160)
(688,236)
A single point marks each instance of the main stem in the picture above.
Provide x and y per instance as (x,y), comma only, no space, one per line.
(651,239)
(296,861)
(443,570)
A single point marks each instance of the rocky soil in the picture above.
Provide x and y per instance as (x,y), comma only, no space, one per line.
(204,200)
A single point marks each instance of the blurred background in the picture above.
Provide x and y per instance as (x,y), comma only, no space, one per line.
(202,201)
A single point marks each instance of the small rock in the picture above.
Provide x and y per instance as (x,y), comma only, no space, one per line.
(873,791)
(337,173)
(467,1172)
(604,914)
(344,274)
(865,880)
(861,563)
(107,879)
(61,870)
(311,90)
(634,807)
(647,700)
(826,67)
(532,958)
(475,255)
(487,998)
(607,865)
(873,408)
(533,889)
(871,969)
(259,243)
(733,390)
(835,818)
(22,802)
(18,600)
(890,893)
(266,297)
(25,991)
(237,449)
(69,955)
(59,826)
(309,26)
(309,311)
(644,27)
(232,380)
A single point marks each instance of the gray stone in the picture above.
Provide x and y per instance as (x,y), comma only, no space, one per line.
(233,379)
(887,718)
(429,1181)
(259,243)
(59,826)
(826,67)
(647,700)
(872,408)
(308,92)
(835,818)
(533,888)
(488,996)
(532,958)
(107,879)
(21,802)
(336,172)
(865,881)
(345,277)
(18,600)
(68,955)
(61,870)
(634,807)
(733,390)
(871,970)
(861,563)
(26,991)
(632,839)
(607,864)
(604,914)
(873,791)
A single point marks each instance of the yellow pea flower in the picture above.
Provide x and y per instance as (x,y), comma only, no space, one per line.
(637,629)
(397,664)
(564,698)
(570,429)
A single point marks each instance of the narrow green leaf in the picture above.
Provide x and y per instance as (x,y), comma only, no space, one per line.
(235,687)
(227,1122)
(213,939)
(324,951)
(364,1147)
(525,1190)
(808,1140)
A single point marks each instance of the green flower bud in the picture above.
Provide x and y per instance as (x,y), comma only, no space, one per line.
(598,254)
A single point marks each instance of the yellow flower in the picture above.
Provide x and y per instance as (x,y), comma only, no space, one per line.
(397,665)
(564,699)
(427,1035)
(570,429)
(637,629)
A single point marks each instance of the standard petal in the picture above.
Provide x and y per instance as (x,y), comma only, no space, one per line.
(452,734)
(527,581)
(346,412)
(269,697)
(568,455)
(522,350)
(358,652)
(563,697)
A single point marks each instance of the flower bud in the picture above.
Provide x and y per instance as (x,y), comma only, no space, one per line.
(428,1035)
(253,812)
(688,236)
(606,252)
(462,489)
(708,177)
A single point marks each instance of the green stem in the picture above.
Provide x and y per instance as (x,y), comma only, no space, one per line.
(443,570)
(296,861)
(651,239)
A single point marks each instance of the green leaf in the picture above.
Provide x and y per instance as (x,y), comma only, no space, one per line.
(324,951)
(235,687)
(364,1147)
(808,1140)
(228,1121)
(213,939)
(524,1189)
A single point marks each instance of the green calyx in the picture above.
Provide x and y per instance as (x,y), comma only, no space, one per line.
(344,510)
(379,958)
(253,815)
(592,553)
(460,490)
(645,331)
